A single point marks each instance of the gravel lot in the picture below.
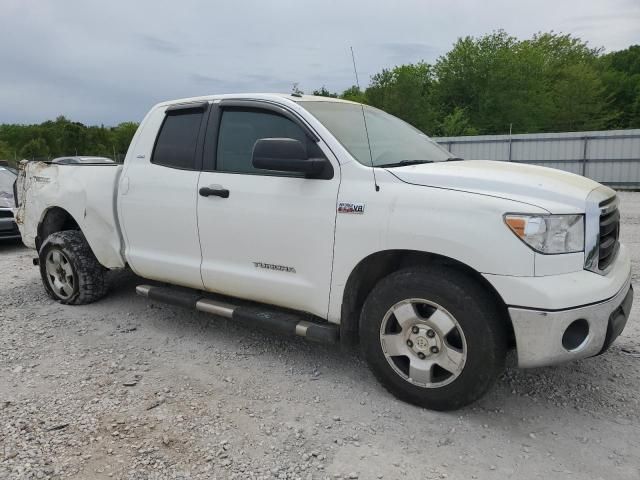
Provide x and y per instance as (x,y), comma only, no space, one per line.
(127,388)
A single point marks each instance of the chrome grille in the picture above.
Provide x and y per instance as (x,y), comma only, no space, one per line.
(609,232)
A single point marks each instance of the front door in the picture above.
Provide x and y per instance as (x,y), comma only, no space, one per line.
(271,238)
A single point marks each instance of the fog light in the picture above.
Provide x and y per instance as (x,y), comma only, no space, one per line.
(575,334)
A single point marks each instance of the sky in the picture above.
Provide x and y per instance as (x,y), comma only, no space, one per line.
(105,62)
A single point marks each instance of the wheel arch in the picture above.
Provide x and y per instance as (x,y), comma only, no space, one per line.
(371,269)
(54,219)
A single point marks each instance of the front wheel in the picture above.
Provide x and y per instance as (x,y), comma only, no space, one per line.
(433,337)
(70,272)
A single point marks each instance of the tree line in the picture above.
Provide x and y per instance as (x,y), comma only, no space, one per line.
(496,83)
(62,137)
(491,84)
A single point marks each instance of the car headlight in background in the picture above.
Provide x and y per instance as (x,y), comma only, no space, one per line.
(549,233)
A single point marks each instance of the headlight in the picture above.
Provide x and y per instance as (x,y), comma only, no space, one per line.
(549,233)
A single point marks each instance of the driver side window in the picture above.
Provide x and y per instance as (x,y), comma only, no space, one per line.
(240,128)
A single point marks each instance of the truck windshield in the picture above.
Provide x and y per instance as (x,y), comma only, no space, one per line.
(393,141)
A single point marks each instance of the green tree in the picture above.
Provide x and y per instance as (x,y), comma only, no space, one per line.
(73,139)
(64,137)
(5,151)
(500,80)
(122,135)
(620,73)
(574,96)
(354,94)
(323,92)
(406,91)
(579,100)
(473,76)
(456,123)
(35,148)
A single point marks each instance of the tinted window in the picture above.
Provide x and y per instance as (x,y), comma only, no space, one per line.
(241,128)
(176,142)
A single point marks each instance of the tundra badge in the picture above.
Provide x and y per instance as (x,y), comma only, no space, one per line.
(271,266)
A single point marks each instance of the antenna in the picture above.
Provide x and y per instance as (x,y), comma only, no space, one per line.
(364,119)
(355,70)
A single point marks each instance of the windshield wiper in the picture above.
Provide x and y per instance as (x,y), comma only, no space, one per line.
(404,163)
(454,159)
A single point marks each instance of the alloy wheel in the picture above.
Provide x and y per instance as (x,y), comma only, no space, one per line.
(60,274)
(423,343)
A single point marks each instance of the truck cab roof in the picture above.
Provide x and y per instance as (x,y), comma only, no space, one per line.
(277,97)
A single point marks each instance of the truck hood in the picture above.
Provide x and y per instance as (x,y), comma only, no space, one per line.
(553,190)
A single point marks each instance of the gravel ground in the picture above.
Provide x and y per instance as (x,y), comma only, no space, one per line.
(127,388)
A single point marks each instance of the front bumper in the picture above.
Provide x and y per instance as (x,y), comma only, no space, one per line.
(541,309)
(543,338)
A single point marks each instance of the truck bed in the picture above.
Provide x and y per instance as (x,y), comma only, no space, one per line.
(86,192)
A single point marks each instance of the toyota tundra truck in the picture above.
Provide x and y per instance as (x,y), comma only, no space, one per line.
(335,221)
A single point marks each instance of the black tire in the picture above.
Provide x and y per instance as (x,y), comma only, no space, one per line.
(477,316)
(87,283)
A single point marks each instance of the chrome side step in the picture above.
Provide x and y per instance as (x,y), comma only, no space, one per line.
(267,318)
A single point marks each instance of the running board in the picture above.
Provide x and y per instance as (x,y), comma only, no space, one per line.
(260,317)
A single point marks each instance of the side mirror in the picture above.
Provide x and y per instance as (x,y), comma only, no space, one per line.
(285,155)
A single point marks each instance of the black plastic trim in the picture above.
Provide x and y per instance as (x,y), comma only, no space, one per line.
(273,107)
(179,298)
(323,333)
(216,192)
(210,150)
(186,108)
(618,321)
(15,193)
(275,322)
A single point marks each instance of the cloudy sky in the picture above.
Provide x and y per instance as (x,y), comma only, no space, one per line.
(109,61)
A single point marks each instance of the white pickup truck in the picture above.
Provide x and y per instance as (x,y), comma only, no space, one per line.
(338,222)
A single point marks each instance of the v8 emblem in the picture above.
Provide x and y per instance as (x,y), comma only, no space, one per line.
(347,207)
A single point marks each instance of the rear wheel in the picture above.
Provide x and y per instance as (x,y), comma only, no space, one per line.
(70,272)
(433,337)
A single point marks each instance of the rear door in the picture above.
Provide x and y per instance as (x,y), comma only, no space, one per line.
(158,196)
(271,238)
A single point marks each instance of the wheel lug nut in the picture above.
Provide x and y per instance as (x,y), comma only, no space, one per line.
(421,356)
(415,329)
(409,343)
(431,333)
(434,349)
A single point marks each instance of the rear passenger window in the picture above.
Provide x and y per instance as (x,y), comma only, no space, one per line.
(241,128)
(176,143)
